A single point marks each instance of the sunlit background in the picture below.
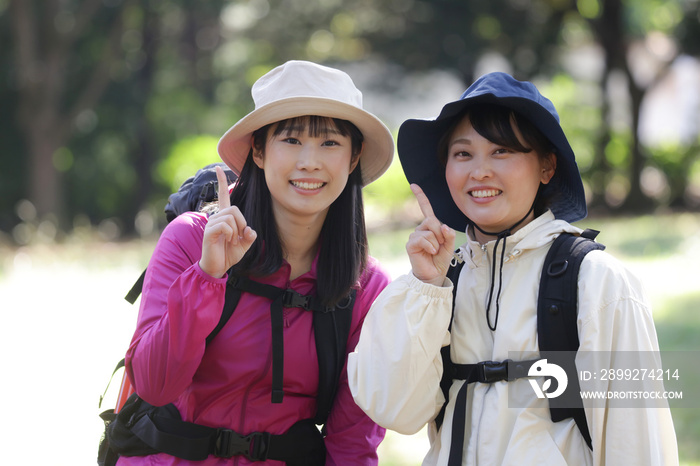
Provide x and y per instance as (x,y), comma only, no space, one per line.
(106,106)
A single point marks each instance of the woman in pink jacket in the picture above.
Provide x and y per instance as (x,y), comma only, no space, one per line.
(294,220)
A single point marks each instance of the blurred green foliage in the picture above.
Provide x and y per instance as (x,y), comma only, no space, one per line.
(186,157)
(105,105)
(390,191)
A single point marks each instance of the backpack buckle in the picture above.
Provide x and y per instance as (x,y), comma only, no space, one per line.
(293,299)
(493,371)
(229,443)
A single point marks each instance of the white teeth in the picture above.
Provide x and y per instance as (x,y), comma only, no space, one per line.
(305,185)
(485,193)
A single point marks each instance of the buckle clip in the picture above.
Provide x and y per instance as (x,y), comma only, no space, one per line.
(253,446)
(293,299)
(494,371)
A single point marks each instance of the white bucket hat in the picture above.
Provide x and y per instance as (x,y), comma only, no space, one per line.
(299,88)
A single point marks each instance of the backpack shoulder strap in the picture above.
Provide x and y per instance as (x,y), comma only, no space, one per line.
(558,292)
(136,289)
(447,364)
(233,295)
(557,310)
(331,332)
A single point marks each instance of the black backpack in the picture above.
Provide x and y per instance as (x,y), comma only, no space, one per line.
(140,429)
(557,333)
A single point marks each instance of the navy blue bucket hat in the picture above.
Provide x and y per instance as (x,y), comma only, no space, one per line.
(418,141)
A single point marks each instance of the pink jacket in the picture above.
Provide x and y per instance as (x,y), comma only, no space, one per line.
(228,383)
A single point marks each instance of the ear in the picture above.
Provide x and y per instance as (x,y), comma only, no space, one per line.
(356,159)
(256,154)
(549,167)
(257,158)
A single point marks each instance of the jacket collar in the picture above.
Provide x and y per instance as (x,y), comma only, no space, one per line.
(541,231)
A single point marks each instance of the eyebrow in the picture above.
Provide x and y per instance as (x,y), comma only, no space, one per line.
(460,141)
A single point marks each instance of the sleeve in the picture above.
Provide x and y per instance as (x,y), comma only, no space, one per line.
(394,373)
(617,332)
(180,306)
(352,437)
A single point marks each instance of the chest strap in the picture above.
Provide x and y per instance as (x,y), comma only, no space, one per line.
(280,298)
(483,372)
(490,371)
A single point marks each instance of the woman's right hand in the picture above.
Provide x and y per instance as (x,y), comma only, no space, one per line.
(431,245)
(227,236)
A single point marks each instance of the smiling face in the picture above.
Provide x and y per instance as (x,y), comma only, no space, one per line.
(306,162)
(494,184)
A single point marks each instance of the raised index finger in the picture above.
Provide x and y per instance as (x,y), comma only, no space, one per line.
(423,201)
(224,197)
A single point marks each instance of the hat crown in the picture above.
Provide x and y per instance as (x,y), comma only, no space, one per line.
(305,79)
(502,85)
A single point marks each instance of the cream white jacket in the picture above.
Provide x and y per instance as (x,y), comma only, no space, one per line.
(395,370)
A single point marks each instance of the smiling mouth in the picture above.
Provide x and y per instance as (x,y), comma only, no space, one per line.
(481,193)
(307,186)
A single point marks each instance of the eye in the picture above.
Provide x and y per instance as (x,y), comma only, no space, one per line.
(461,154)
(502,151)
(291,140)
(330,143)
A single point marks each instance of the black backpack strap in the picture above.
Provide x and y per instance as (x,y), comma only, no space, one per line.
(280,298)
(119,365)
(142,429)
(331,332)
(136,289)
(233,295)
(557,311)
(447,364)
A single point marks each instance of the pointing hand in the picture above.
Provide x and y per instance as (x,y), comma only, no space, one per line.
(431,245)
(227,236)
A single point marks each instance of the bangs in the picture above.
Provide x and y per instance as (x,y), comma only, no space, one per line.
(496,124)
(312,125)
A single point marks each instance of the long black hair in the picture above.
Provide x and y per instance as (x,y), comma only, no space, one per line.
(343,244)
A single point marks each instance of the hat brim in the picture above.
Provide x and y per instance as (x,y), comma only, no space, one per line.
(418,141)
(378,150)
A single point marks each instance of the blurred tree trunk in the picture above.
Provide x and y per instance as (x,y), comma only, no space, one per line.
(611,33)
(146,146)
(44,116)
(601,167)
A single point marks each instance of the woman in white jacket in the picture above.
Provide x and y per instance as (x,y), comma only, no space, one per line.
(496,164)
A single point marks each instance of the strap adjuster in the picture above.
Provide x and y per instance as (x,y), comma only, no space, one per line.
(493,371)
(253,446)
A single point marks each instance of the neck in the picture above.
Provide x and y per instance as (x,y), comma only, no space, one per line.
(300,240)
(484,237)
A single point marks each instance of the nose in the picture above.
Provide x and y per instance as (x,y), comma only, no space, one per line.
(481,168)
(309,158)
